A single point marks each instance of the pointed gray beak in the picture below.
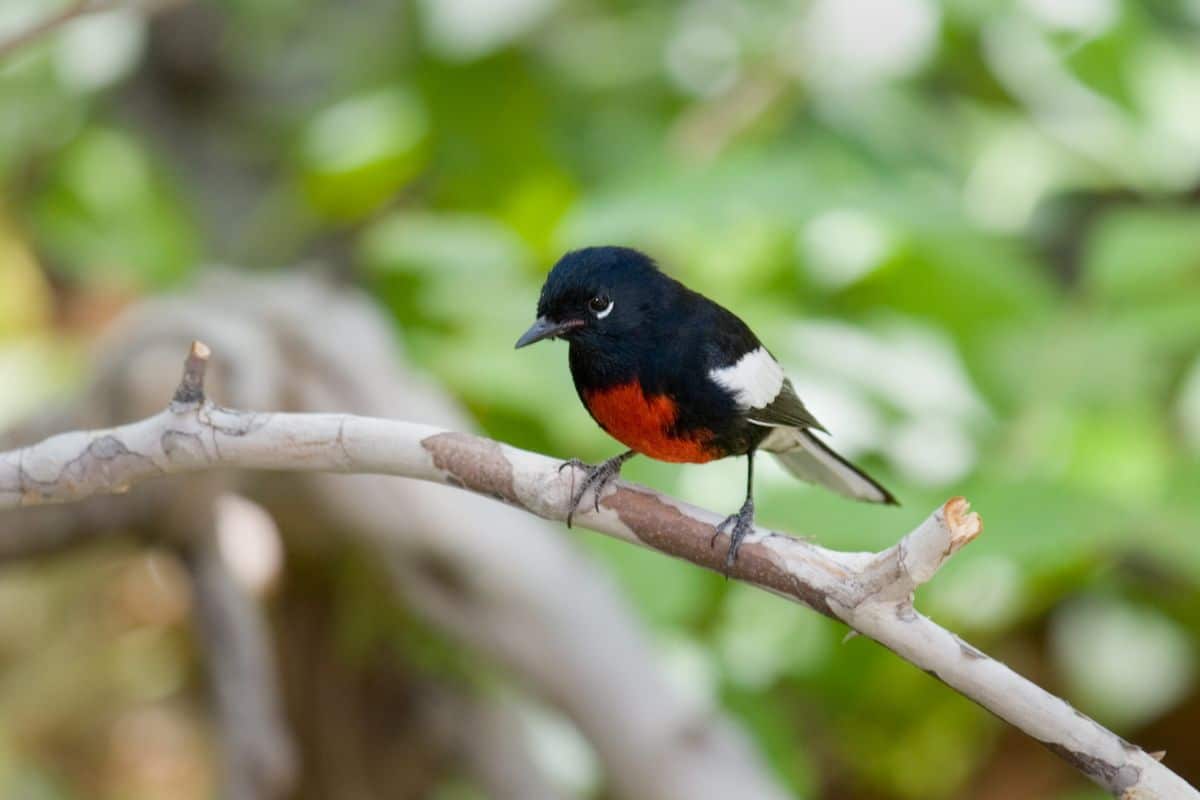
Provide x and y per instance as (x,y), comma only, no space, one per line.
(546,329)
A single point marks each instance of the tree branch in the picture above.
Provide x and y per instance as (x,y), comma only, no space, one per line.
(68,13)
(499,595)
(259,757)
(39,29)
(481,730)
(871,592)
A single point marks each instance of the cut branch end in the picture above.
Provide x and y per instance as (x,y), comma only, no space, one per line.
(920,554)
(963,523)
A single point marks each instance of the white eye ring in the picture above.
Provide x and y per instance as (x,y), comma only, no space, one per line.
(607,310)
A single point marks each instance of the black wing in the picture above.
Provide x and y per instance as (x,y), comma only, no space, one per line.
(785,410)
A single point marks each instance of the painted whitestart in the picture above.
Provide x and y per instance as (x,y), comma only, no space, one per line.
(674,376)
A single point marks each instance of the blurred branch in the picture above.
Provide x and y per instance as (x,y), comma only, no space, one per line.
(45,27)
(873,593)
(481,730)
(258,755)
(500,595)
(71,12)
(45,530)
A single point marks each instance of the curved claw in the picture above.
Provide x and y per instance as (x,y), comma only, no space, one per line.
(572,462)
(742,524)
(597,478)
(719,529)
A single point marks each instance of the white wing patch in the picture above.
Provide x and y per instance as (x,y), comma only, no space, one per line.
(755,380)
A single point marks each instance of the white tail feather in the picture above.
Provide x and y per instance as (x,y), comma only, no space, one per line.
(811,460)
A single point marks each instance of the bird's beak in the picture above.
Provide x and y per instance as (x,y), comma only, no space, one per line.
(546,329)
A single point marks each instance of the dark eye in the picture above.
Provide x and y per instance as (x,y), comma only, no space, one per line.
(600,305)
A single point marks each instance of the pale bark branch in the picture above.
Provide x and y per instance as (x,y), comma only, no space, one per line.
(871,592)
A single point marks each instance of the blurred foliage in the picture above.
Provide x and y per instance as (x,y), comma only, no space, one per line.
(971,231)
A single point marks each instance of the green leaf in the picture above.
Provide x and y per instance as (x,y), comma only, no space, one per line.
(358,154)
(108,214)
(1142,255)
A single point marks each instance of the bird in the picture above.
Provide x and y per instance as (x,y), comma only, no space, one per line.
(674,376)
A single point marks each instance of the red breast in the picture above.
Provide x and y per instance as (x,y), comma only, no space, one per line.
(644,423)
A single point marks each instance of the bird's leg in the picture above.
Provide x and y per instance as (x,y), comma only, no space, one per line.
(742,522)
(596,479)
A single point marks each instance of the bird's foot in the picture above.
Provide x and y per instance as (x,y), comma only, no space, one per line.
(739,525)
(596,478)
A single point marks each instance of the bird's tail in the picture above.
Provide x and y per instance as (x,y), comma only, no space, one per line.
(810,459)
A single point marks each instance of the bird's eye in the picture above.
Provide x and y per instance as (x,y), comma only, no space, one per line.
(601,305)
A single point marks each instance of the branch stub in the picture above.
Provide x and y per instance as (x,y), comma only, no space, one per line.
(191,386)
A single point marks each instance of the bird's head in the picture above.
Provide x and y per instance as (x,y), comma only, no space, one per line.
(595,294)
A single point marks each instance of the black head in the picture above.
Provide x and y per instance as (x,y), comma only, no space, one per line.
(596,293)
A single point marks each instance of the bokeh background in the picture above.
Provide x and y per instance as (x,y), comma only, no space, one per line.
(969,229)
